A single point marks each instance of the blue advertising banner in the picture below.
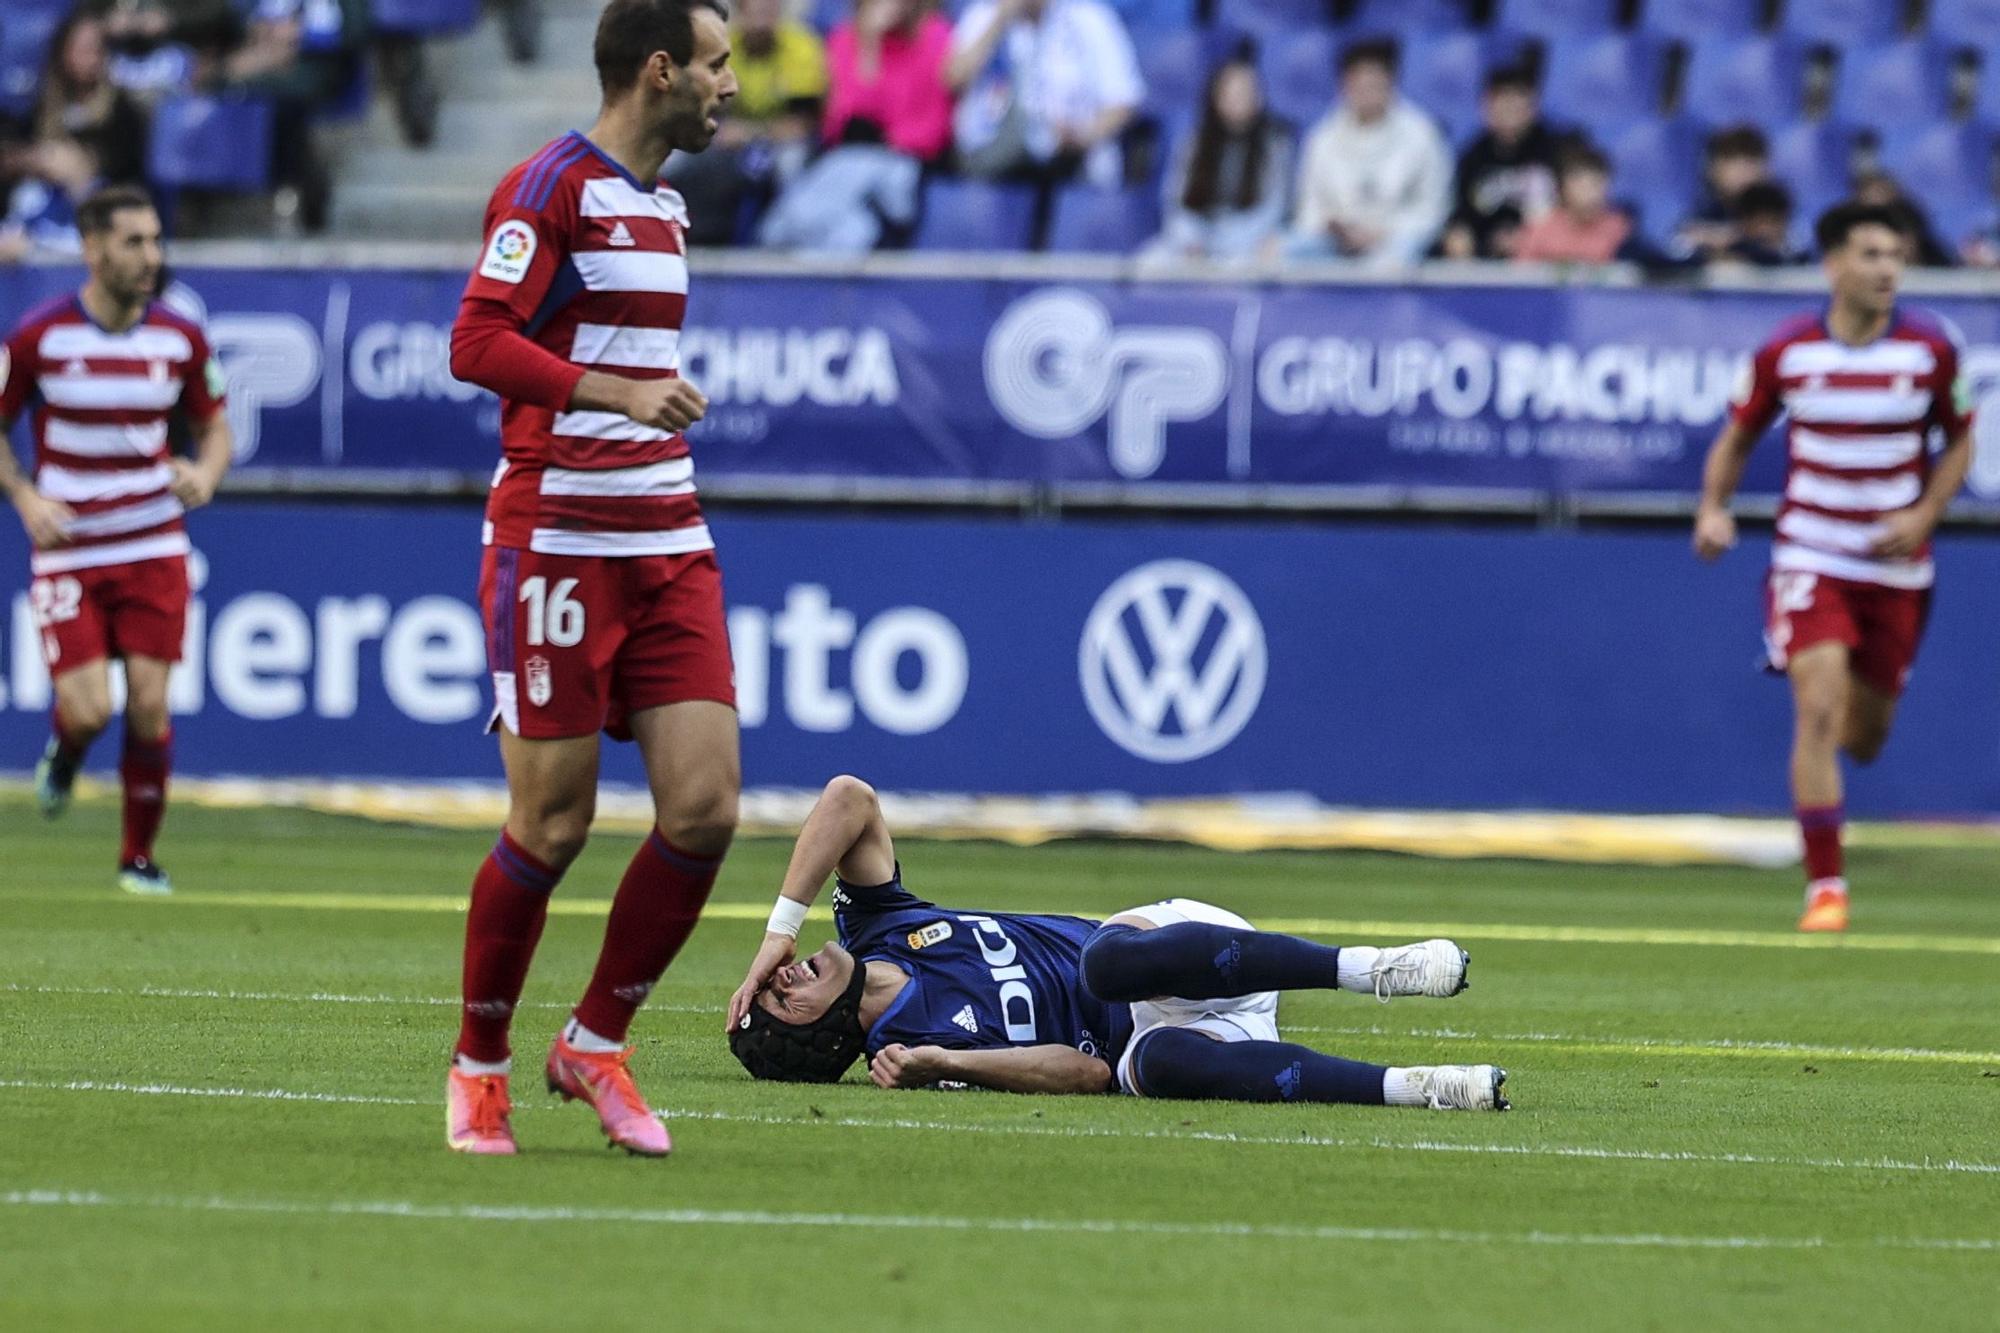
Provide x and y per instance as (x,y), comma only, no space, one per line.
(1361,664)
(1547,390)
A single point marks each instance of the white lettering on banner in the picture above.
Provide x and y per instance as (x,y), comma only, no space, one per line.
(262,647)
(432,657)
(270,361)
(1056,364)
(343,625)
(392,362)
(1462,378)
(833,367)
(810,631)
(1979,371)
(1138,661)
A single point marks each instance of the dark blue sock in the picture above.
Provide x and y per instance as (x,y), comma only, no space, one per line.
(1174,1062)
(1196,961)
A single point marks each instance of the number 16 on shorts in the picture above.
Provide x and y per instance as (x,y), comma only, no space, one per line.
(538,625)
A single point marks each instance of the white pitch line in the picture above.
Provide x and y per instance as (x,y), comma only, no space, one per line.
(404,1209)
(1948,1166)
(1635,1045)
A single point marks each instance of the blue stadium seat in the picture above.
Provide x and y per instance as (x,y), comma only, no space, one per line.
(1146,17)
(1966,22)
(1300,82)
(25,29)
(975,215)
(1267,19)
(1954,222)
(1759,80)
(1846,24)
(1093,221)
(1550,19)
(1444,75)
(423,18)
(1694,20)
(1901,83)
(1403,18)
(211,143)
(1815,160)
(1945,161)
(1611,79)
(1656,169)
(1176,67)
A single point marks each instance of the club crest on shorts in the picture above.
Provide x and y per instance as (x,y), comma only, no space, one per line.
(540,687)
(937,932)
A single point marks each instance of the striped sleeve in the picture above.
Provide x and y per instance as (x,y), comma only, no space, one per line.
(1758,398)
(17,373)
(202,387)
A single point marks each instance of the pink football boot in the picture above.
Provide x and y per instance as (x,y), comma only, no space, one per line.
(603,1082)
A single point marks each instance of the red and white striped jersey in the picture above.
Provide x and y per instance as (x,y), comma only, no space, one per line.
(592,267)
(1860,422)
(101,402)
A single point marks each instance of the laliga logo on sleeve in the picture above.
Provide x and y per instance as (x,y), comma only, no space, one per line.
(1055,365)
(509,253)
(1173,661)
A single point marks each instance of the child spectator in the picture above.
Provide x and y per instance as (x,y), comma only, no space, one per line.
(1583,227)
(1735,159)
(1507,175)
(1763,221)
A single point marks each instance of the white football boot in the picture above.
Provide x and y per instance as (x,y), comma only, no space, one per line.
(1460,1087)
(1435,967)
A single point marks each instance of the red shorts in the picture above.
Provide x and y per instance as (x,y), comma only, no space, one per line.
(132,610)
(577,644)
(1880,626)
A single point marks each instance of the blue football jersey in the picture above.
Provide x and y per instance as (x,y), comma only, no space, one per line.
(978,980)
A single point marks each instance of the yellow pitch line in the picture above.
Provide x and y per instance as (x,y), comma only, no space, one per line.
(1457,930)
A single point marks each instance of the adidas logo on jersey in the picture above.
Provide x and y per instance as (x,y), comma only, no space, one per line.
(966,1019)
(620,235)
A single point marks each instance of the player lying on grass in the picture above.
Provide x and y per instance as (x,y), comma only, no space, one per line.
(1174,999)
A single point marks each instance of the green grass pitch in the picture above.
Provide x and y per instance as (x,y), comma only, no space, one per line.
(225,1114)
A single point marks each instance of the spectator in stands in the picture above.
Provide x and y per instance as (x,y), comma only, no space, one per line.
(1735,159)
(1920,240)
(47,179)
(888,117)
(1584,227)
(1763,223)
(1225,196)
(770,127)
(301,54)
(1046,89)
(77,103)
(1507,175)
(1375,181)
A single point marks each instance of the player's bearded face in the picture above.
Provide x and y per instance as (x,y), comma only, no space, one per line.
(702,87)
(806,989)
(126,257)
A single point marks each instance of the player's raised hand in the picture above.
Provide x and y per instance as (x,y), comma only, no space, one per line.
(669,404)
(1903,532)
(772,954)
(900,1066)
(1714,532)
(44,519)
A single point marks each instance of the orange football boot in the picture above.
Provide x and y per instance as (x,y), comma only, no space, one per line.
(1826,909)
(476,1107)
(604,1083)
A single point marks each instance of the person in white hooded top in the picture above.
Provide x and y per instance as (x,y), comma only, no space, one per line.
(1375,178)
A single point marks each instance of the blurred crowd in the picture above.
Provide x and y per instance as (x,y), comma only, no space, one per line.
(1376,133)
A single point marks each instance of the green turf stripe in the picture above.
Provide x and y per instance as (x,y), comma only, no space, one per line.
(1457,930)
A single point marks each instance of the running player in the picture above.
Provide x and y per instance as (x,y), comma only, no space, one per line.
(602,597)
(1880,440)
(102,371)
(1174,999)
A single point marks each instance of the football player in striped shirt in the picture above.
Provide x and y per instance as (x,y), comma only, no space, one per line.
(602,597)
(101,371)
(1879,437)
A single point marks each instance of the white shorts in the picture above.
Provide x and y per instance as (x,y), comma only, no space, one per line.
(1244,1018)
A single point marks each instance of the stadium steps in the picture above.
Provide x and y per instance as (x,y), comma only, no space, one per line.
(494,114)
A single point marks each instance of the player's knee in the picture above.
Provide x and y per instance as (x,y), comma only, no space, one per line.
(84,718)
(703,823)
(1168,1063)
(1107,973)
(848,790)
(556,838)
(1864,744)
(1819,718)
(146,719)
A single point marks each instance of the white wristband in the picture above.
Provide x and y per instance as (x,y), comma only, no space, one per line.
(786,917)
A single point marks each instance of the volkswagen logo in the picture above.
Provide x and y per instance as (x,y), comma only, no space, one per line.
(1173,661)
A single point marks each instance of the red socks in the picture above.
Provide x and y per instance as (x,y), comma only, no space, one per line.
(143,771)
(510,903)
(1820,825)
(659,900)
